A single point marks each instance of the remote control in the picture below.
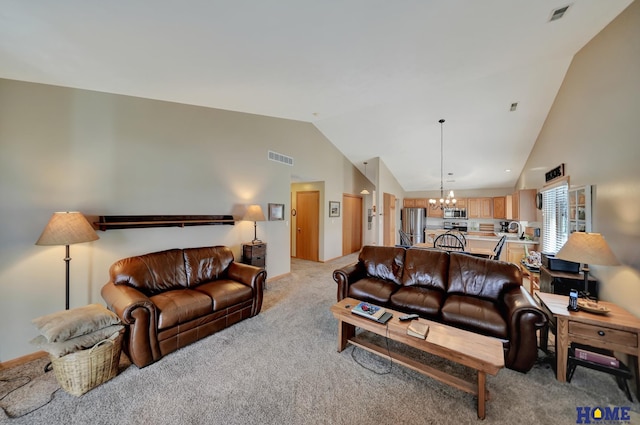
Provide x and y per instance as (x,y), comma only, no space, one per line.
(408,317)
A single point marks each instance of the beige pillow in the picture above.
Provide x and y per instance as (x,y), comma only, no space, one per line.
(82,342)
(67,324)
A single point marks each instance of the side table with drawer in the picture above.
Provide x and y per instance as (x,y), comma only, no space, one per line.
(254,253)
(617,331)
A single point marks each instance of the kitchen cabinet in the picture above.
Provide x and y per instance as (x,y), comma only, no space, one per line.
(480,207)
(516,251)
(481,246)
(415,203)
(499,207)
(523,205)
(437,212)
(580,209)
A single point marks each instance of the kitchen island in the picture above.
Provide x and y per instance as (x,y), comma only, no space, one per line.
(484,243)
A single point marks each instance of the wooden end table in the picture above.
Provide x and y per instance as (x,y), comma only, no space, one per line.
(479,352)
(617,331)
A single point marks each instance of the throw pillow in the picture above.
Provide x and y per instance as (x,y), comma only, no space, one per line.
(67,324)
(59,349)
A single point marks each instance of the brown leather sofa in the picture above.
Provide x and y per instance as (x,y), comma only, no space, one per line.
(170,299)
(477,294)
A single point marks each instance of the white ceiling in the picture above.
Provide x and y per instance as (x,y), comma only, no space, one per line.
(374,76)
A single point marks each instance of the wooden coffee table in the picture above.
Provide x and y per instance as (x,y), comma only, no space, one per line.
(481,353)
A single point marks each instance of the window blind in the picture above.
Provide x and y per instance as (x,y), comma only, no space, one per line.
(555,217)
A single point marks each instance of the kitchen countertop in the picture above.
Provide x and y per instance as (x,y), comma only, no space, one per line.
(486,236)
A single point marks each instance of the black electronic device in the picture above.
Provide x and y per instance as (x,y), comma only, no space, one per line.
(408,317)
(573,300)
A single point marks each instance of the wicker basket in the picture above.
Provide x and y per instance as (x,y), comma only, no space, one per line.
(84,370)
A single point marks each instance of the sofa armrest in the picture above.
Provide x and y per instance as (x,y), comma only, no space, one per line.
(139,313)
(346,276)
(524,318)
(252,276)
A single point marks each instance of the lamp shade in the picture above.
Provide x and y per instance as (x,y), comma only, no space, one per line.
(587,248)
(254,213)
(66,228)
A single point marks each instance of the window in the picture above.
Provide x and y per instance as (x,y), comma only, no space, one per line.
(555,217)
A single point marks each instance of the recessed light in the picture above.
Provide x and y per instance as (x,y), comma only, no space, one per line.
(507,170)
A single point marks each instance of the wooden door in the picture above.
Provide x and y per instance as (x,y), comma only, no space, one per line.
(351,223)
(308,225)
(389,219)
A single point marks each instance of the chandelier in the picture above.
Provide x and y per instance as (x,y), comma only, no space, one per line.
(450,200)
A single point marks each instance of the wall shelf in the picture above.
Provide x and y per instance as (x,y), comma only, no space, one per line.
(108,222)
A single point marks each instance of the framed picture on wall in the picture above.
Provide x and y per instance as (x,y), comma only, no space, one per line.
(334,209)
(276,212)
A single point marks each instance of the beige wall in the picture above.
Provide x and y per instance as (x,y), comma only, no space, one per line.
(594,129)
(66,149)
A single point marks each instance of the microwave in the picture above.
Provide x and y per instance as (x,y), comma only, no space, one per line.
(455,213)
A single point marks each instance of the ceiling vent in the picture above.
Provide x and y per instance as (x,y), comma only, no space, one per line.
(558,13)
(278,157)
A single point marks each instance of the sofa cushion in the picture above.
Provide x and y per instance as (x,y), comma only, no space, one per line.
(426,267)
(151,273)
(206,264)
(371,289)
(418,299)
(180,306)
(481,277)
(384,262)
(225,293)
(474,314)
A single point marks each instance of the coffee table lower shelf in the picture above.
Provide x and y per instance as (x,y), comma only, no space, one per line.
(480,353)
(454,381)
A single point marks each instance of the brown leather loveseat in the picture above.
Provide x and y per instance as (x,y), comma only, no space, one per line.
(170,299)
(472,293)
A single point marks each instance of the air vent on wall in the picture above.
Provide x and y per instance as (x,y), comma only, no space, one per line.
(558,13)
(278,157)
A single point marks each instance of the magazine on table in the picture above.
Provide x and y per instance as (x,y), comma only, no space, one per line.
(372,312)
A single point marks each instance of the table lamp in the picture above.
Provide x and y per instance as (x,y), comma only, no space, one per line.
(587,248)
(66,228)
(254,213)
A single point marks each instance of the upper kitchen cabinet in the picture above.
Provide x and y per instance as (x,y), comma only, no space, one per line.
(523,205)
(480,207)
(415,203)
(500,207)
(437,212)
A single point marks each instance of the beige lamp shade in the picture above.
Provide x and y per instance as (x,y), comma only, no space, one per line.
(587,248)
(254,213)
(67,228)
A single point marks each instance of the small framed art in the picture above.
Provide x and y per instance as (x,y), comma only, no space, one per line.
(334,209)
(276,212)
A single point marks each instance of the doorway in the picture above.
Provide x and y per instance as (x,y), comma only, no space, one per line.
(308,225)
(351,223)
(389,216)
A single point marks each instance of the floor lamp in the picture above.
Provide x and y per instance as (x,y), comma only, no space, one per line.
(67,228)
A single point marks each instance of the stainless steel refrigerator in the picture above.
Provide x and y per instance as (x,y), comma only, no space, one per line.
(414,221)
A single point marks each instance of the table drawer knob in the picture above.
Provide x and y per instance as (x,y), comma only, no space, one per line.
(601,333)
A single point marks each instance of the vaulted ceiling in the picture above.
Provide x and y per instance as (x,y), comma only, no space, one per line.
(374,76)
